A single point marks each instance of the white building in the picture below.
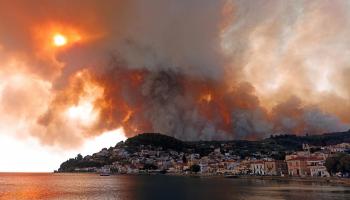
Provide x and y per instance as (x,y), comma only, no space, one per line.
(258,167)
(317,167)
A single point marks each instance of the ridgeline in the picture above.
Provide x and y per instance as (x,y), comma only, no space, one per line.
(275,146)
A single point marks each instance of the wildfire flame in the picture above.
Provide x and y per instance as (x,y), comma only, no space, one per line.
(206,98)
(83,111)
(127,116)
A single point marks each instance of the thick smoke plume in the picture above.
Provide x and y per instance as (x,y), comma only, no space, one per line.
(196,70)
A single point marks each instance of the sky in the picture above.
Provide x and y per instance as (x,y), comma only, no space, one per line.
(30,156)
(77,76)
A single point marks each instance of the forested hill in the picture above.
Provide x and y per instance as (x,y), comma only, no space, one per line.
(273,143)
(315,140)
(274,146)
(157,140)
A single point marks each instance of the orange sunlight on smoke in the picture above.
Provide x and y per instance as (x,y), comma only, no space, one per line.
(47,38)
(59,40)
(84,112)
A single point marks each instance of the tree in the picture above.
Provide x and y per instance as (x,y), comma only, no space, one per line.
(156,140)
(344,163)
(331,165)
(184,159)
(150,167)
(338,163)
(79,157)
(279,156)
(195,168)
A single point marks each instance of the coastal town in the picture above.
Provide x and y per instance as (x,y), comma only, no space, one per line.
(309,161)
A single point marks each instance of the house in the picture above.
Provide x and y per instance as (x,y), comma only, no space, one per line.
(313,165)
(317,167)
(203,163)
(242,167)
(320,171)
(258,167)
(298,154)
(231,164)
(343,147)
(275,167)
(102,153)
(297,166)
(204,168)
(217,151)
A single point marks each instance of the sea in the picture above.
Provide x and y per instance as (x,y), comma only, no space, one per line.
(53,186)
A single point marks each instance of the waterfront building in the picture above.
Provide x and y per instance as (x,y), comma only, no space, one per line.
(275,167)
(317,167)
(297,166)
(258,167)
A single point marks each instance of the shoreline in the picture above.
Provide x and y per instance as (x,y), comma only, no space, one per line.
(320,180)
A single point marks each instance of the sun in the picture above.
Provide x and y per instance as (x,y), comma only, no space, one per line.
(59,40)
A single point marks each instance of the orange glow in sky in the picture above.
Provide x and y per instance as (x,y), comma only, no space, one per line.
(59,40)
(84,113)
(52,36)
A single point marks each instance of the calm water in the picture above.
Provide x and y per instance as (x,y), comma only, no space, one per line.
(90,186)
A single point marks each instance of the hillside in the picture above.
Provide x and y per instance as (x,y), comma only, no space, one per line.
(156,140)
(275,147)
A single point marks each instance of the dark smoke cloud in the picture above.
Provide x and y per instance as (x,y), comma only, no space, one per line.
(197,69)
(171,103)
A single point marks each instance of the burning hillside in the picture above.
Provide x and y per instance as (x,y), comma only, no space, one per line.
(190,107)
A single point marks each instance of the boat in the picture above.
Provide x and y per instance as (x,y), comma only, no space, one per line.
(231,176)
(105,172)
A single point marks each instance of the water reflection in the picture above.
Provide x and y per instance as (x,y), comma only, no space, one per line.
(90,186)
